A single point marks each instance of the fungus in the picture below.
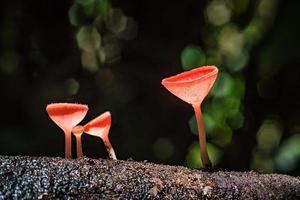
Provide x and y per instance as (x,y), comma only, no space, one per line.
(192,87)
(66,116)
(99,127)
(77,131)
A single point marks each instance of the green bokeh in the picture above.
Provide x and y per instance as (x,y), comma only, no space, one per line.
(288,156)
(193,158)
(191,57)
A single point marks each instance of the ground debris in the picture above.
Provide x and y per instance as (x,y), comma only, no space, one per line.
(85,178)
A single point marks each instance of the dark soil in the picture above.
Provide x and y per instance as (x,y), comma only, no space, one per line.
(85,178)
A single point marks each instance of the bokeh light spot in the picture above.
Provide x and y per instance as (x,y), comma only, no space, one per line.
(89,61)
(237,62)
(130,31)
(266,9)
(253,32)
(269,134)
(238,6)
(117,21)
(193,158)
(88,38)
(231,41)
(223,85)
(192,56)
(289,154)
(218,13)
(72,86)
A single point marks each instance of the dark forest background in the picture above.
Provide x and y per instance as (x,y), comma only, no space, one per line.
(112,55)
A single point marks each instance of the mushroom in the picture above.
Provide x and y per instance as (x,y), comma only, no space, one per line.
(192,87)
(77,131)
(66,116)
(99,127)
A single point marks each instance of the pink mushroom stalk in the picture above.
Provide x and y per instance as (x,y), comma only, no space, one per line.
(192,87)
(100,127)
(66,116)
(78,131)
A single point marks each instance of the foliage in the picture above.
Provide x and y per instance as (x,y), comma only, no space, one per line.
(227,44)
(100,27)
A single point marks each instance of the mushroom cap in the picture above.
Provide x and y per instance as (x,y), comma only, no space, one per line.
(192,86)
(99,126)
(77,130)
(66,115)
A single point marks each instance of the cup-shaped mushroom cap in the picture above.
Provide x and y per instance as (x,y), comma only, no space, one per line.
(99,126)
(66,115)
(192,86)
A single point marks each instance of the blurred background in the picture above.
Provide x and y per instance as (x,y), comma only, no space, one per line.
(112,55)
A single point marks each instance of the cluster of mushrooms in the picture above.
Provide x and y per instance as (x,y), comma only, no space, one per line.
(68,115)
(190,86)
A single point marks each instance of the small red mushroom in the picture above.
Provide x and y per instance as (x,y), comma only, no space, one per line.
(99,127)
(192,87)
(77,131)
(66,116)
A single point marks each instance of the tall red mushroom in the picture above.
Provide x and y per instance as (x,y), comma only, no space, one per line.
(192,87)
(66,116)
(100,127)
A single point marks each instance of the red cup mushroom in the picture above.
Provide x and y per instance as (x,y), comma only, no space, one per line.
(66,116)
(192,87)
(99,127)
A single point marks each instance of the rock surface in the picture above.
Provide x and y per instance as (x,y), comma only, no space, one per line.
(85,178)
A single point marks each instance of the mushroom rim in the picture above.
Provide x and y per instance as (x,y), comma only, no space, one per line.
(180,78)
(65,108)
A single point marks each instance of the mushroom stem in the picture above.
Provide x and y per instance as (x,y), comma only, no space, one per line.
(78,146)
(202,138)
(68,141)
(109,148)
(77,131)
